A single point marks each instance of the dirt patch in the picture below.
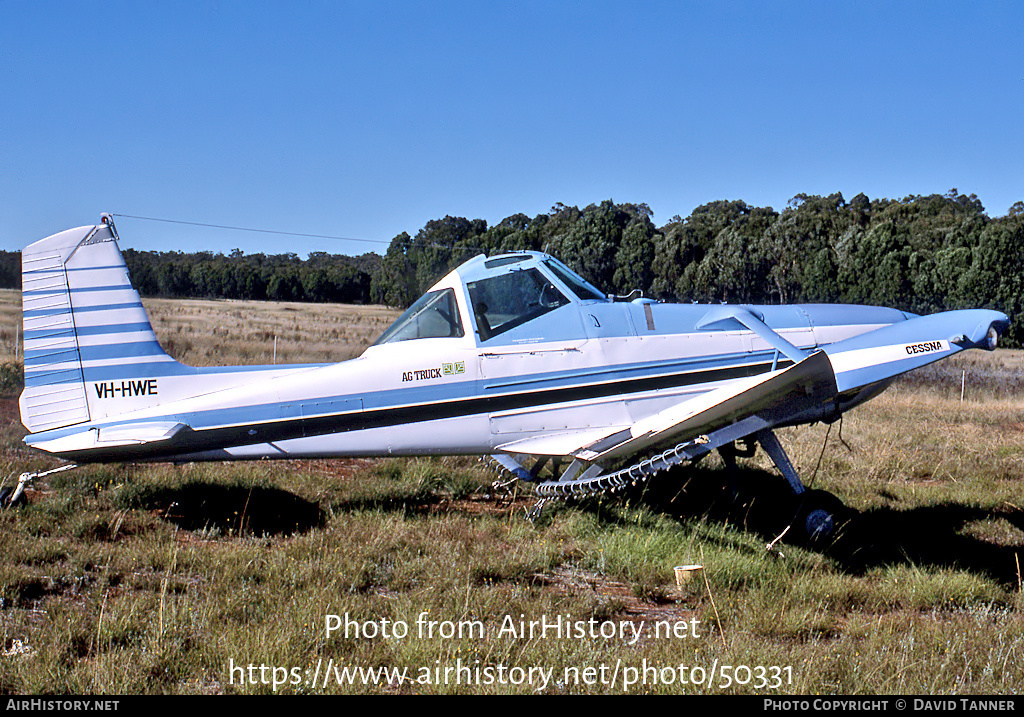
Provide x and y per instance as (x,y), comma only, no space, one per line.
(10,413)
(485,504)
(644,614)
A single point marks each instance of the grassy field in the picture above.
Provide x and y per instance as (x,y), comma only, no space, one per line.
(416,576)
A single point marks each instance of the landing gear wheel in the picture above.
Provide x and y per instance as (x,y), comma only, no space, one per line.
(5,499)
(819,518)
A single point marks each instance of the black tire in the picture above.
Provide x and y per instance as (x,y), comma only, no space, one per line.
(5,498)
(820,517)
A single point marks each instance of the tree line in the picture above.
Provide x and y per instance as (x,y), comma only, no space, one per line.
(920,254)
(204,275)
(323,277)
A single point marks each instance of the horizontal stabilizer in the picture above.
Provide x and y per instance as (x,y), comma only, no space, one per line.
(130,434)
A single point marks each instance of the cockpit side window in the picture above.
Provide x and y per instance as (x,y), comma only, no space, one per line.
(503,302)
(434,315)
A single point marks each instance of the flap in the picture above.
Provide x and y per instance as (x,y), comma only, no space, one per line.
(558,444)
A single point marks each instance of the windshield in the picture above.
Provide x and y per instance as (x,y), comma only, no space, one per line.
(434,315)
(509,300)
(583,289)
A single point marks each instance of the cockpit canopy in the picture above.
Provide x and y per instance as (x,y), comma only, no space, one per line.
(500,293)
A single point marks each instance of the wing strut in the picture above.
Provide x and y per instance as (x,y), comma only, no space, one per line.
(723,317)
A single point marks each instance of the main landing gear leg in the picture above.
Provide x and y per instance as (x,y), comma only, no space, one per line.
(820,514)
(742,448)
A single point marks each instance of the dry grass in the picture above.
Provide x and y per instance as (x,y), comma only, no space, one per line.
(221,333)
(920,441)
(10,325)
(128,579)
(210,333)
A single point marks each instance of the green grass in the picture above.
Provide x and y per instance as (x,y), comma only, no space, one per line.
(160,579)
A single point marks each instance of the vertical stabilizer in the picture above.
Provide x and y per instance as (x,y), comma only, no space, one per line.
(82,320)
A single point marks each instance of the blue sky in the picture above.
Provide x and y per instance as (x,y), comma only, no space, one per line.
(366,119)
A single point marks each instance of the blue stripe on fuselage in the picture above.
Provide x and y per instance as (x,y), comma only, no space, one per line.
(543,387)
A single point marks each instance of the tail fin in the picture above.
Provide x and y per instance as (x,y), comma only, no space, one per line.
(84,328)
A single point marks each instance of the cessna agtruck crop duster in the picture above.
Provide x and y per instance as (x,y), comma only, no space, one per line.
(513,356)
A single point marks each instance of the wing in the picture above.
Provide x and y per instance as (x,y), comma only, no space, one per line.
(819,386)
(798,392)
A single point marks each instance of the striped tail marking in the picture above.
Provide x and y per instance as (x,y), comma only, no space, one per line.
(82,319)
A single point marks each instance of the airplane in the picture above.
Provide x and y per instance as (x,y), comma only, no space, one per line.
(512,356)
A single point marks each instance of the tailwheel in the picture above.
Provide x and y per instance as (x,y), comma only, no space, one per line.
(820,517)
(15,497)
(5,498)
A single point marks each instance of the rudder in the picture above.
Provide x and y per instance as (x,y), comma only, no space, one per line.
(82,319)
